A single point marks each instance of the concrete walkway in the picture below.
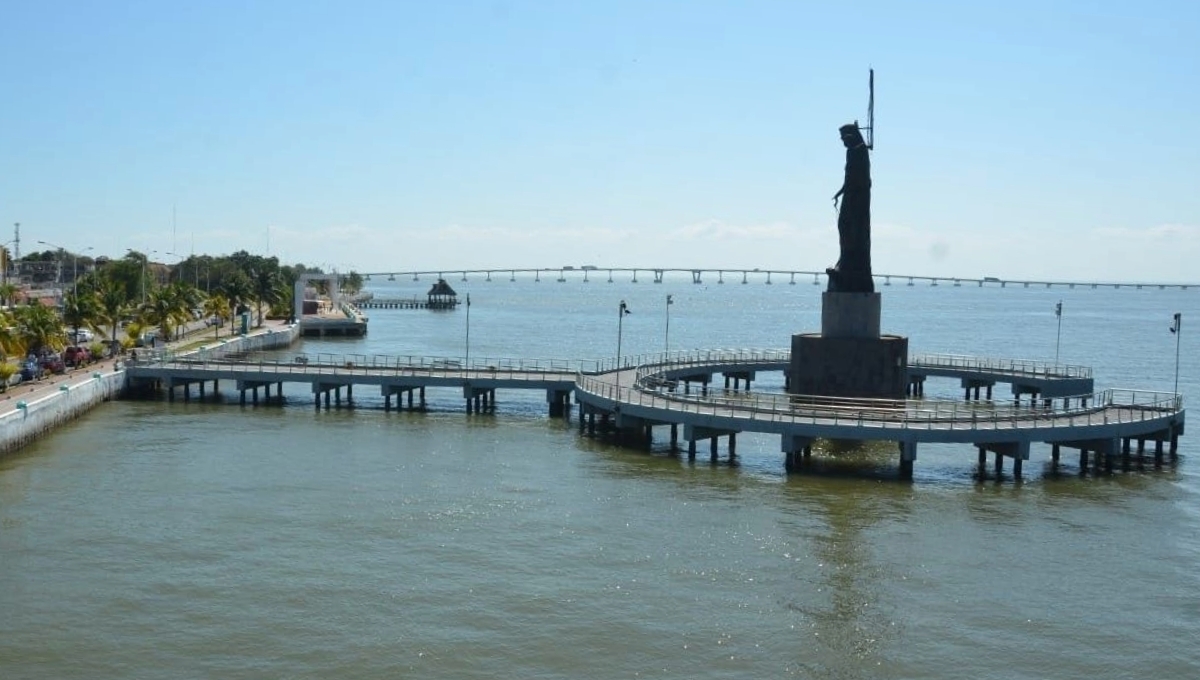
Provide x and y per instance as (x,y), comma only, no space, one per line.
(37,389)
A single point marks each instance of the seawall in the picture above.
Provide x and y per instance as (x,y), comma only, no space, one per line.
(49,407)
(33,418)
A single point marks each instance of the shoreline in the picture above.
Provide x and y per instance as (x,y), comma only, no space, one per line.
(30,411)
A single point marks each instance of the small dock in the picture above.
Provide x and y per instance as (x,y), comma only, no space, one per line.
(347,320)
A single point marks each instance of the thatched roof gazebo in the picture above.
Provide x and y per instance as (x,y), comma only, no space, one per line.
(442,296)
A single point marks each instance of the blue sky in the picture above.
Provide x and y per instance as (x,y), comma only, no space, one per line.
(1052,140)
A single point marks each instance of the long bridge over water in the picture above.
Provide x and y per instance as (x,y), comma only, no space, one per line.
(631,398)
(589,273)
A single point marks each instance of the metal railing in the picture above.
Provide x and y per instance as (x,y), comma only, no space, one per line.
(1108,406)
(318,364)
(1026,367)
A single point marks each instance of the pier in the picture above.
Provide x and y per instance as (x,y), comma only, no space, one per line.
(673,390)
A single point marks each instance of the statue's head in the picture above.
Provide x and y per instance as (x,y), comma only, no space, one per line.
(851,135)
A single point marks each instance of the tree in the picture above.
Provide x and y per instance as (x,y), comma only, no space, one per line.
(39,328)
(81,310)
(111,305)
(167,309)
(217,306)
(266,289)
(8,293)
(238,290)
(11,341)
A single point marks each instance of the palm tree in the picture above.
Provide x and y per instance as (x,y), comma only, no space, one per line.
(237,289)
(8,293)
(111,305)
(217,306)
(266,288)
(39,328)
(167,309)
(11,341)
(81,310)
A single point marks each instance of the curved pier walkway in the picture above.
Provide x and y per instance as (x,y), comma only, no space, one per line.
(631,398)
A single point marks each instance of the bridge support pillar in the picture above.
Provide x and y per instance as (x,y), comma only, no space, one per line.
(797,450)
(674,436)
(908,455)
(692,450)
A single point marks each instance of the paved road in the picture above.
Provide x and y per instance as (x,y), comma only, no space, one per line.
(32,391)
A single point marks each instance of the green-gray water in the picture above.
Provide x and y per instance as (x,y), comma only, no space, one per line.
(208,540)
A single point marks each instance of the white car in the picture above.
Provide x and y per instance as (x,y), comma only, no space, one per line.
(80,336)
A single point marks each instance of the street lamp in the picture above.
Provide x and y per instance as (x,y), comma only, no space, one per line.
(145,258)
(667,329)
(622,310)
(195,270)
(467,359)
(74,266)
(1177,330)
(1058,342)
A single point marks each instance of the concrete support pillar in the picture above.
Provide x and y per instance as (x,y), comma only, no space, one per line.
(387,402)
(1054,454)
(1017,468)
(1083,461)
(989,392)
(187,392)
(982,462)
(202,390)
(242,397)
(674,436)
(254,395)
(712,450)
(422,398)
(732,445)
(999,465)
(691,449)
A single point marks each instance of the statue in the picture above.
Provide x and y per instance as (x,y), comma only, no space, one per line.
(852,273)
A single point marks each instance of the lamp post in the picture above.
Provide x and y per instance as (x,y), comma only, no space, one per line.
(1177,330)
(622,310)
(74,265)
(4,255)
(667,328)
(1058,341)
(145,258)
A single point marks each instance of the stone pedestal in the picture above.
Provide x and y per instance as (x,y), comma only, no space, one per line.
(850,315)
(849,357)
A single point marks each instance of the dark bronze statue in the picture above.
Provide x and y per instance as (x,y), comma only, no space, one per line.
(852,273)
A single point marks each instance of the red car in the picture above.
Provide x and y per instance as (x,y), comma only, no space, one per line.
(76,356)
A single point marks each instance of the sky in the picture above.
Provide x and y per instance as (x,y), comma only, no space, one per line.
(1051,140)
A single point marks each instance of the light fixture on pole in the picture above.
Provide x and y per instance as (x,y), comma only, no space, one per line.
(74,265)
(667,328)
(1177,330)
(145,258)
(622,310)
(467,360)
(1058,341)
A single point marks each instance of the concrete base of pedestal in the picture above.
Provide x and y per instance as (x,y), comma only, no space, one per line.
(850,315)
(864,368)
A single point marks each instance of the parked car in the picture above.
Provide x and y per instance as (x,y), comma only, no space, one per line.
(53,363)
(31,369)
(76,356)
(80,336)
